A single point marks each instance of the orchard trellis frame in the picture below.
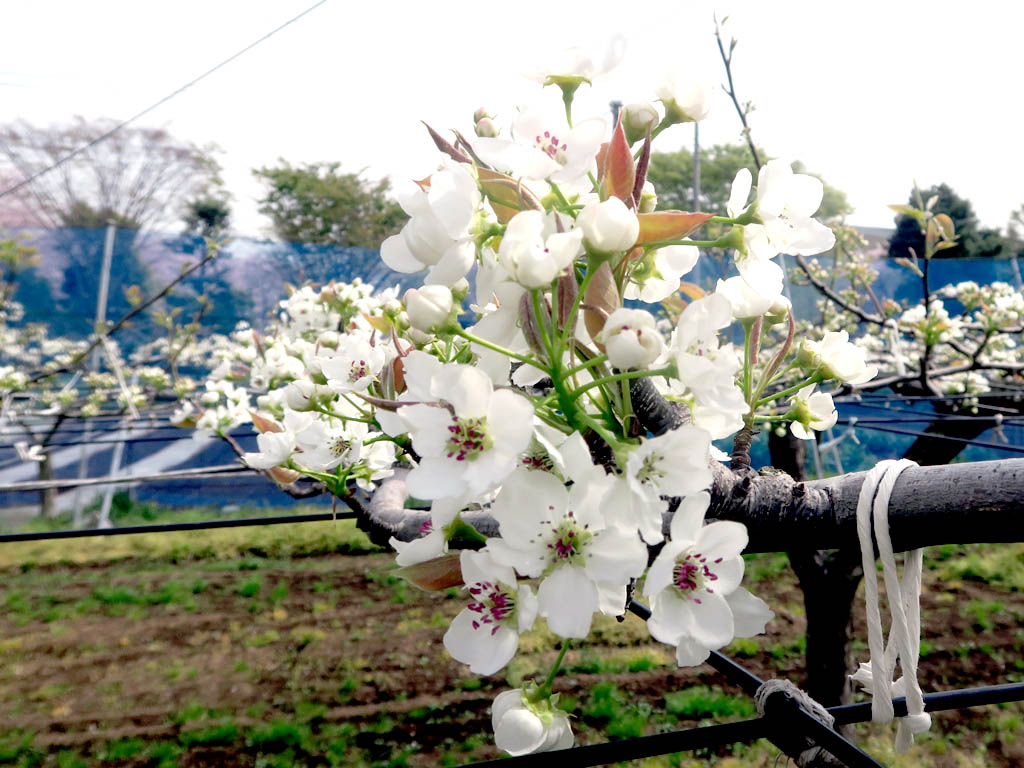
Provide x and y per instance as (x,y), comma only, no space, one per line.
(794,730)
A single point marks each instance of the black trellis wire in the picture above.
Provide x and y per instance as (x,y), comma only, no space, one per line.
(785,723)
(150,439)
(241,522)
(933,435)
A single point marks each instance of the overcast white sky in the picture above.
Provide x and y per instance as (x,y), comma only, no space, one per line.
(871,95)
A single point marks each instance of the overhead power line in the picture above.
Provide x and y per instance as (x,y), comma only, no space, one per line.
(104,136)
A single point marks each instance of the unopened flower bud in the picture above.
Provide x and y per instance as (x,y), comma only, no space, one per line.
(638,118)
(328,339)
(631,339)
(684,100)
(460,290)
(778,312)
(299,395)
(486,128)
(608,226)
(648,199)
(481,114)
(428,307)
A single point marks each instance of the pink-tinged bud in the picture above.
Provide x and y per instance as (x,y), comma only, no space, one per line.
(486,128)
(631,339)
(638,118)
(481,114)
(428,307)
(567,292)
(608,226)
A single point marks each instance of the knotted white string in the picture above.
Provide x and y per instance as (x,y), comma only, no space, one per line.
(904,606)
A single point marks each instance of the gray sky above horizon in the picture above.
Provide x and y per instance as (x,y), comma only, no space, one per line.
(872,95)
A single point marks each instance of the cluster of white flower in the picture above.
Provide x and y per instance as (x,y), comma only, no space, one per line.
(529,412)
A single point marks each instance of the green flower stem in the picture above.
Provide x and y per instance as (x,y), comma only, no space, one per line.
(381,437)
(328,412)
(558,193)
(723,242)
(551,340)
(497,348)
(550,680)
(583,366)
(569,322)
(815,379)
(639,374)
(362,411)
(747,373)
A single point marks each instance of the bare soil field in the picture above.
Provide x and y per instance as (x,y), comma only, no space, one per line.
(210,652)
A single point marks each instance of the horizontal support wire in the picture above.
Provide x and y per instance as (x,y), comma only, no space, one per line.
(745,731)
(41,485)
(151,439)
(241,522)
(933,435)
(781,708)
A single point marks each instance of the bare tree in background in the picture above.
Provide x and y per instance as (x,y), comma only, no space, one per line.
(137,177)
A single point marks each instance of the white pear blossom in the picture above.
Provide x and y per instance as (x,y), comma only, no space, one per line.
(834,357)
(674,464)
(811,410)
(275,448)
(583,62)
(485,635)
(631,338)
(577,555)
(28,452)
(747,301)
(533,252)
(437,235)
(657,275)
(434,541)
(353,364)
(522,727)
(608,226)
(786,202)
(705,369)
(473,449)
(542,147)
(697,603)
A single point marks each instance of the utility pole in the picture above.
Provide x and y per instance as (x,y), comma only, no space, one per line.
(616,107)
(94,360)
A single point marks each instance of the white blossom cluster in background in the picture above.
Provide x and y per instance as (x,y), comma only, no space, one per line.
(529,411)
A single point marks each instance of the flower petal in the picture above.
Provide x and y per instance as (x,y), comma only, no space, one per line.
(568,600)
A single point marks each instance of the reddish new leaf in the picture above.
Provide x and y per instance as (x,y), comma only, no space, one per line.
(600,299)
(669,225)
(619,171)
(440,573)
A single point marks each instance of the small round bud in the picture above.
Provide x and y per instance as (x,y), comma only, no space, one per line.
(428,307)
(638,118)
(486,129)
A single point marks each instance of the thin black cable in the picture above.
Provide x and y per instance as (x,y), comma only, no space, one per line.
(154,439)
(205,525)
(147,110)
(935,436)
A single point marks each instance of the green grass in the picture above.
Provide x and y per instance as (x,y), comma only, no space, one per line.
(700,701)
(254,543)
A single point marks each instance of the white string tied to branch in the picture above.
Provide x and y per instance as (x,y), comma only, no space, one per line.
(904,598)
